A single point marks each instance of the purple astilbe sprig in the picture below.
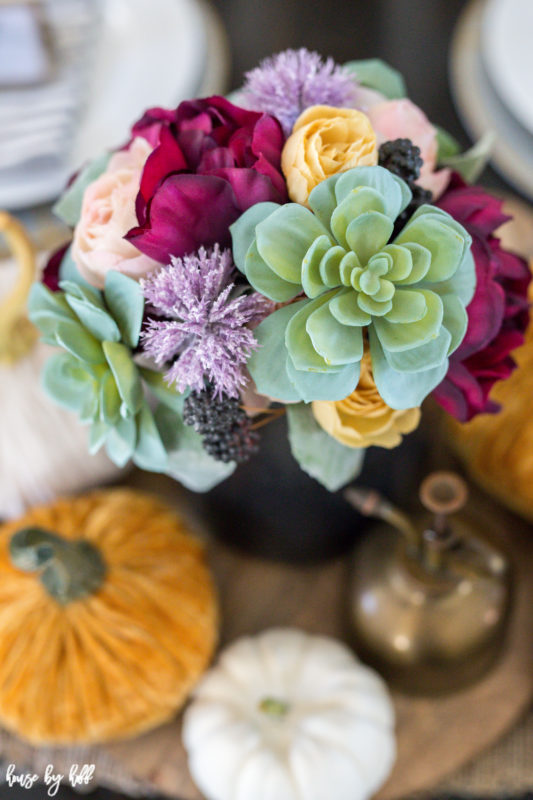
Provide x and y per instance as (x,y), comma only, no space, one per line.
(286,84)
(206,337)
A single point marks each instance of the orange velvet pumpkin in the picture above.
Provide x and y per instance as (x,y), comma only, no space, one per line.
(108,617)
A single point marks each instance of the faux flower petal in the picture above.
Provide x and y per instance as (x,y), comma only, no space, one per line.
(243,231)
(323,386)
(177,218)
(402,389)
(367,234)
(284,238)
(396,338)
(331,339)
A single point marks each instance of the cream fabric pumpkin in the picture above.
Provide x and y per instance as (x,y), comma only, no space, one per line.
(43,448)
(289,716)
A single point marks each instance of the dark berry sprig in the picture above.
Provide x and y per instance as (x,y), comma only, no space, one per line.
(402,158)
(224,426)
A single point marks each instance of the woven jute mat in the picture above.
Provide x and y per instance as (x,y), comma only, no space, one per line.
(504,771)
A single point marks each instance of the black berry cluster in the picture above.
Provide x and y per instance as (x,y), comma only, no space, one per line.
(223,425)
(402,158)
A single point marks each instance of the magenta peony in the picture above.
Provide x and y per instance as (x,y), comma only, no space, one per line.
(498,314)
(211,161)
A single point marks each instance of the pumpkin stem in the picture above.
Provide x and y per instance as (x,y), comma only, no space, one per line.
(274,707)
(69,570)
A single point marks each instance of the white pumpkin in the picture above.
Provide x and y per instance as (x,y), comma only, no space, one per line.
(43,448)
(289,716)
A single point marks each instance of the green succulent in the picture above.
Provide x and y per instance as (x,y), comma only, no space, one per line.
(96,375)
(409,295)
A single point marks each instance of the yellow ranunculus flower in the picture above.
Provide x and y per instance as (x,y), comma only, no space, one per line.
(324,141)
(363,418)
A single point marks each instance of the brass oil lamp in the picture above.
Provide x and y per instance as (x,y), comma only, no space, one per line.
(429,600)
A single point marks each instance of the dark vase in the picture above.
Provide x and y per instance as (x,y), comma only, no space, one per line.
(271,508)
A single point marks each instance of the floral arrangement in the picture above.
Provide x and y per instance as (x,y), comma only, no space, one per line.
(312,245)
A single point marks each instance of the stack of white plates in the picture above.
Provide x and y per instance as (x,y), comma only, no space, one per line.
(114,59)
(492,82)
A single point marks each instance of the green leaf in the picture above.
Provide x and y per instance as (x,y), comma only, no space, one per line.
(125,300)
(110,400)
(150,453)
(336,343)
(68,207)
(377,74)
(166,394)
(126,375)
(368,233)
(66,382)
(121,441)
(46,308)
(360,201)
(188,462)
(431,354)
(68,271)
(399,336)
(312,281)
(323,385)
(267,365)
(445,238)
(298,341)
(82,344)
(318,453)
(284,238)
(394,192)
(95,320)
(83,292)
(447,145)
(98,434)
(243,231)
(402,390)
(265,280)
(471,164)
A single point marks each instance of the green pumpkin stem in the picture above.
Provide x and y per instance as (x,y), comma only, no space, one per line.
(274,707)
(69,570)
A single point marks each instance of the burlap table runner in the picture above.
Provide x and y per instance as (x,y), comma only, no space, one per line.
(505,770)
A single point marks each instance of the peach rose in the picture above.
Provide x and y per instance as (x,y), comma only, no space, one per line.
(324,141)
(107,214)
(401,119)
(363,418)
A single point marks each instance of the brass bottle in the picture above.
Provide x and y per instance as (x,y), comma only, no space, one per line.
(428,603)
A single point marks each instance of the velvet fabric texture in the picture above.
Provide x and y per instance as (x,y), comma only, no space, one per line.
(123,659)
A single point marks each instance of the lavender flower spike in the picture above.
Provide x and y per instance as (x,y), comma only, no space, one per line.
(206,337)
(288,83)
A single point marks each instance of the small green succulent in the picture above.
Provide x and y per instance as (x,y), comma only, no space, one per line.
(409,295)
(96,375)
(130,409)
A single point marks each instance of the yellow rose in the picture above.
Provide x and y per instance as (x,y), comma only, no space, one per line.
(363,418)
(324,141)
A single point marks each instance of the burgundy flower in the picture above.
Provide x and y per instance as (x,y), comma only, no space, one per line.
(498,314)
(50,276)
(211,161)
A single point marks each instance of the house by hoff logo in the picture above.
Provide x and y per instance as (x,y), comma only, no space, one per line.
(79,775)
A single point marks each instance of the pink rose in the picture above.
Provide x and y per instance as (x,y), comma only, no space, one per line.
(401,119)
(108,213)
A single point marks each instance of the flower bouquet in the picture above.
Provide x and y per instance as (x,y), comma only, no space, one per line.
(309,246)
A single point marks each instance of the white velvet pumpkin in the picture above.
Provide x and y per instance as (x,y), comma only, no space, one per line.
(43,448)
(289,716)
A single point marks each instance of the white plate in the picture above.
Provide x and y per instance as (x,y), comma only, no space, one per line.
(152,52)
(506,46)
(480,107)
